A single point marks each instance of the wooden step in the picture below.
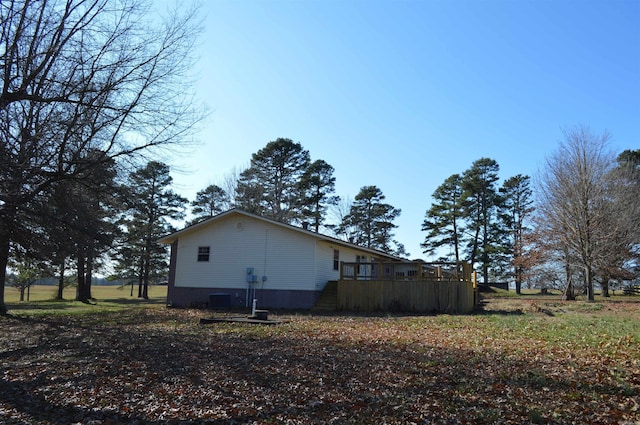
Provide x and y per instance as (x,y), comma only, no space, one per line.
(328,300)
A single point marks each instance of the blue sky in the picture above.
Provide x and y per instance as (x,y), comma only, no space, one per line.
(402,94)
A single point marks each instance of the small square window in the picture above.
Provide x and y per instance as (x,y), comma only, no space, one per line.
(203,253)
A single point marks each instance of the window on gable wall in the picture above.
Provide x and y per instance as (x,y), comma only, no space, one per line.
(336,259)
(203,253)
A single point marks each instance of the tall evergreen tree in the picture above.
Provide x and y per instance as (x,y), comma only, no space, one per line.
(209,201)
(316,187)
(270,185)
(151,204)
(516,208)
(481,201)
(60,242)
(443,221)
(80,222)
(372,219)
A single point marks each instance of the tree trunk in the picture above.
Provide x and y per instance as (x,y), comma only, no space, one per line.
(518,276)
(88,274)
(589,279)
(455,241)
(146,268)
(61,281)
(22,288)
(81,293)
(605,286)
(474,248)
(485,257)
(145,278)
(485,272)
(568,293)
(4,259)
(141,276)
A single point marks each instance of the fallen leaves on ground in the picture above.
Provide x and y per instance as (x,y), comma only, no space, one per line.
(159,366)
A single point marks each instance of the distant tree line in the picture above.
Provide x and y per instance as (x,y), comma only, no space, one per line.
(580,225)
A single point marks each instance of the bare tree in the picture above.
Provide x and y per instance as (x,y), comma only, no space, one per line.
(623,226)
(337,213)
(229,184)
(574,201)
(79,75)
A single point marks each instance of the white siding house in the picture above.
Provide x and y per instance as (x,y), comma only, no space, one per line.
(235,256)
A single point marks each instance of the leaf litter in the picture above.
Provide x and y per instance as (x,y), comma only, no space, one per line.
(159,366)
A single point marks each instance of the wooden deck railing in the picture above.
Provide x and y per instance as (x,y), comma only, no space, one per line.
(419,271)
(408,287)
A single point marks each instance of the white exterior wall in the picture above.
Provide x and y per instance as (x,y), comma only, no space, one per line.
(236,242)
(324,261)
(324,264)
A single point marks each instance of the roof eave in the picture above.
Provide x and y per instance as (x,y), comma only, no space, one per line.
(169,239)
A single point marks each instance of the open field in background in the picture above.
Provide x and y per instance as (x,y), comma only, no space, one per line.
(519,360)
(156,293)
(48,293)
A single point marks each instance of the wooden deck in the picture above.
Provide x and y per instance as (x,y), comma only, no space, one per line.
(406,271)
(407,287)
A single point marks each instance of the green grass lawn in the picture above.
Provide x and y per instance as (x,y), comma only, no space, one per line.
(48,293)
(517,360)
(42,299)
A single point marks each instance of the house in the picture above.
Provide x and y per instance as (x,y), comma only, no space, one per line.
(234,257)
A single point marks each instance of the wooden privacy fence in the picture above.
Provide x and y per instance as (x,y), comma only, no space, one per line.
(408,287)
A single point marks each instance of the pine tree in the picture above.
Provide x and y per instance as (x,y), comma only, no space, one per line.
(443,221)
(269,186)
(372,219)
(316,186)
(209,201)
(151,204)
(481,201)
(80,225)
(515,211)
